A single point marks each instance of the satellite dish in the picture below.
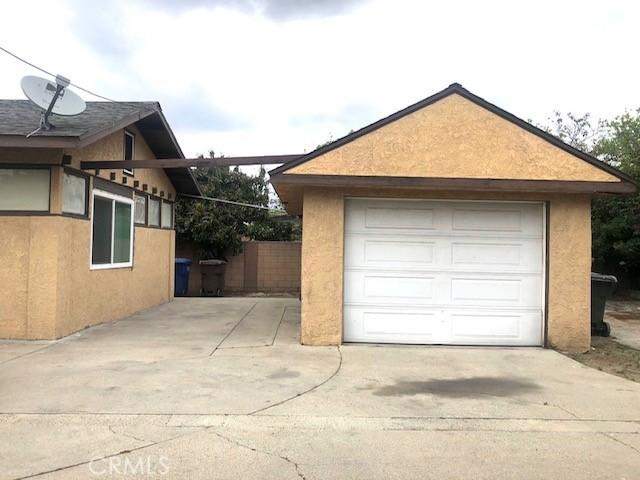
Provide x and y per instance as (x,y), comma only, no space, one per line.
(42,92)
(52,98)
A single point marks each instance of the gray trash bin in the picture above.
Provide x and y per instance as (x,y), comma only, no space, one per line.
(212,277)
(602,286)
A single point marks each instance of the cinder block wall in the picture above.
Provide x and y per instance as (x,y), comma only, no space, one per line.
(267,267)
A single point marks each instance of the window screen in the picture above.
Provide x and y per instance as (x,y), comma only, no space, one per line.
(154,212)
(167,215)
(24,189)
(102,223)
(141,209)
(74,194)
(122,233)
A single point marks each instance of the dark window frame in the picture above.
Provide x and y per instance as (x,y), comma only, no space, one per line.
(173,221)
(132,136)
(87,190)
(22,213)
(146,208)
(159,200)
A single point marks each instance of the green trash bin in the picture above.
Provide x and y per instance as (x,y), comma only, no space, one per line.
(602,286)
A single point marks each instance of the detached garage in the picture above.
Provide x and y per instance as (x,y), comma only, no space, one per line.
(450,222)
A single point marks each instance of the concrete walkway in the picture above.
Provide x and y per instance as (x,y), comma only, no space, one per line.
(221,388)
(624,318)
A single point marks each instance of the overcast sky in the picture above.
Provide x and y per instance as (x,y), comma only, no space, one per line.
(247,77)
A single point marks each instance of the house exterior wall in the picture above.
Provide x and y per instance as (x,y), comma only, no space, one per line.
(569,260)
(48,289)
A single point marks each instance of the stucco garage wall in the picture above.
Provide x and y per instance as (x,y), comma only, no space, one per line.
(568,325)
(48,290)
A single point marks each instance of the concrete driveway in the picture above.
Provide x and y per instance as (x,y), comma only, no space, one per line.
(220,388)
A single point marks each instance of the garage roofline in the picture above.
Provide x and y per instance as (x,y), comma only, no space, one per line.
(469,184)
(456,88)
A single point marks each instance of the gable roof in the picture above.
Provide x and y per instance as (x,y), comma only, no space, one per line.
(18,118)
(454,88)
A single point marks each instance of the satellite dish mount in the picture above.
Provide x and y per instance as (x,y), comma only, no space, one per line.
(52,98)
(61,84)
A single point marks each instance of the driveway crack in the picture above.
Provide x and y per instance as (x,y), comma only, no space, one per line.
(105,457)
(133,437)
(264,452)
(231,331)
(315,387)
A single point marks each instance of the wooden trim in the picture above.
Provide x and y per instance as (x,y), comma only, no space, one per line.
(187,162)
(456,88)
(476,184)
(111,187)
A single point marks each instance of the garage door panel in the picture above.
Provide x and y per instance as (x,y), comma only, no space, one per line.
(388,288)
(425,271)
(401,217)
(384,326)
(390,252)
(496,328)
(482,291)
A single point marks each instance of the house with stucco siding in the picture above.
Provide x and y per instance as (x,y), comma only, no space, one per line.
(449,222)
(82,247)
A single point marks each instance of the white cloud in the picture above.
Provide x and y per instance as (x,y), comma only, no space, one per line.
(242,82)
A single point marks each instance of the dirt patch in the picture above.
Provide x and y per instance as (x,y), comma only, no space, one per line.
(609,356)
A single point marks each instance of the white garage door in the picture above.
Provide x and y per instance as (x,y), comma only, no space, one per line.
(443,272)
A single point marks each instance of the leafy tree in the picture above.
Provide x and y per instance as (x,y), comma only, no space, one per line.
(616,220)
(219,228)
(578,131)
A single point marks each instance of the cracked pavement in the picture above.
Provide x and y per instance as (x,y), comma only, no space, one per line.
(219,388)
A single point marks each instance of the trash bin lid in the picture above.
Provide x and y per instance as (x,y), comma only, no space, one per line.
(183,261)
(212,262)
(600,277)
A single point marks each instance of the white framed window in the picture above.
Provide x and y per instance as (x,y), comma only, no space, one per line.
(167,215)
(111,231)
(129,150)
(74,194)
(154,212)
(140,209)
(25,189)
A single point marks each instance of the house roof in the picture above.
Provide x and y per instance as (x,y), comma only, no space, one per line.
(18,118)
(454,88)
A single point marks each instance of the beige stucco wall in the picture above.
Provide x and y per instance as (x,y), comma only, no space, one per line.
(453,138)
(569,262)
(48,289)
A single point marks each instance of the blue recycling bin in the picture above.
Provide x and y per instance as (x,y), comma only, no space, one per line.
(181,285)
